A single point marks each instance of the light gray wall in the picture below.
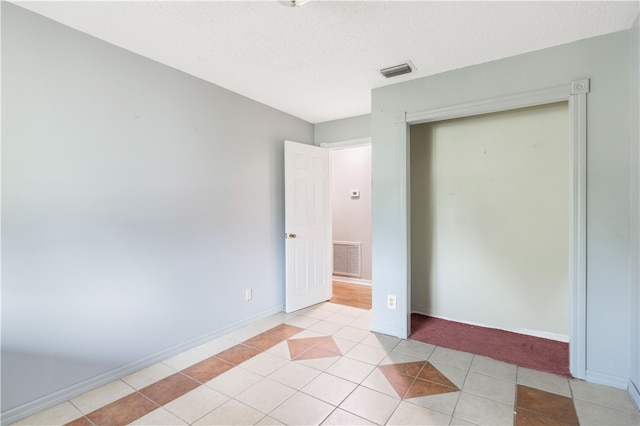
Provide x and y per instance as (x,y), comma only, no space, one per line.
(634,156)
(605,60)
(342,130)
(138,203)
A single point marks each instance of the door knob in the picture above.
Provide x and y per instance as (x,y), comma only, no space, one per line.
(292,235)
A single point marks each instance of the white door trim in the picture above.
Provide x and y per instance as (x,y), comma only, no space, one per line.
(576,95)
(351,143)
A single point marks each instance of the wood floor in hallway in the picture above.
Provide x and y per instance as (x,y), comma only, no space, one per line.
(356,295)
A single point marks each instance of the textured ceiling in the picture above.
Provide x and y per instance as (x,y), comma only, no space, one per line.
(320,61)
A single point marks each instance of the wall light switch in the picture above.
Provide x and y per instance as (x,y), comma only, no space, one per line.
(355,193)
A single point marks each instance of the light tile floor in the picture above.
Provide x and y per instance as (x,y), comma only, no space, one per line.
(321,365)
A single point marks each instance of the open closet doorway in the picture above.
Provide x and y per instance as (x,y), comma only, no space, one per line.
(490,221)
(351,222)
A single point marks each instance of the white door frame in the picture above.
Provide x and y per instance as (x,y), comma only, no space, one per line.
(575,94)
(351,143)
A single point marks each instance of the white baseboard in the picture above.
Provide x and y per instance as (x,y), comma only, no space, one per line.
(14,414)
(350,280)
(607,380)
(389,331)
(535,333)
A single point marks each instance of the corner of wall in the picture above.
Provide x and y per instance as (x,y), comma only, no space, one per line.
(14,414)
(634,393)
(634,209)
(349,128)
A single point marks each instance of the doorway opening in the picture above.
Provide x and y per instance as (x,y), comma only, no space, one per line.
(351,221)
(575,93)
(490,204)
(490,220)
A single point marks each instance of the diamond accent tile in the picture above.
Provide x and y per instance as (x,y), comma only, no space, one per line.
(399,382)
(296,348)
(329,345)
(407,368)
(432,374)
(533,405)
(311,341)
(425,388)
(315,353)
(355,389)
(313,348)
(417,379)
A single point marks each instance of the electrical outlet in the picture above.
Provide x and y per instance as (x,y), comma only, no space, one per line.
(247,294)
(391,301)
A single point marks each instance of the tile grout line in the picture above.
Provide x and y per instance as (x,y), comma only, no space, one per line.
(259,349)
(83,414)
(466,375)
(460,393)
(86,416)
(299,391)
(138,391)
(337,406)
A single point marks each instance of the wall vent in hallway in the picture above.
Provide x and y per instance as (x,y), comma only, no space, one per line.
(346,259)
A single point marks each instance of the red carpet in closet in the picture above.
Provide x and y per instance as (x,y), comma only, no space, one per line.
(536,353)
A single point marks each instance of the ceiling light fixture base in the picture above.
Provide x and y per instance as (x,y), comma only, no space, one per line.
(292,3)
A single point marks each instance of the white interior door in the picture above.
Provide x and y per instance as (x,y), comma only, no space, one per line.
(307,225)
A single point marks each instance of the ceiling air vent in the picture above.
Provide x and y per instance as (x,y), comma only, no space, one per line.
(397,70)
